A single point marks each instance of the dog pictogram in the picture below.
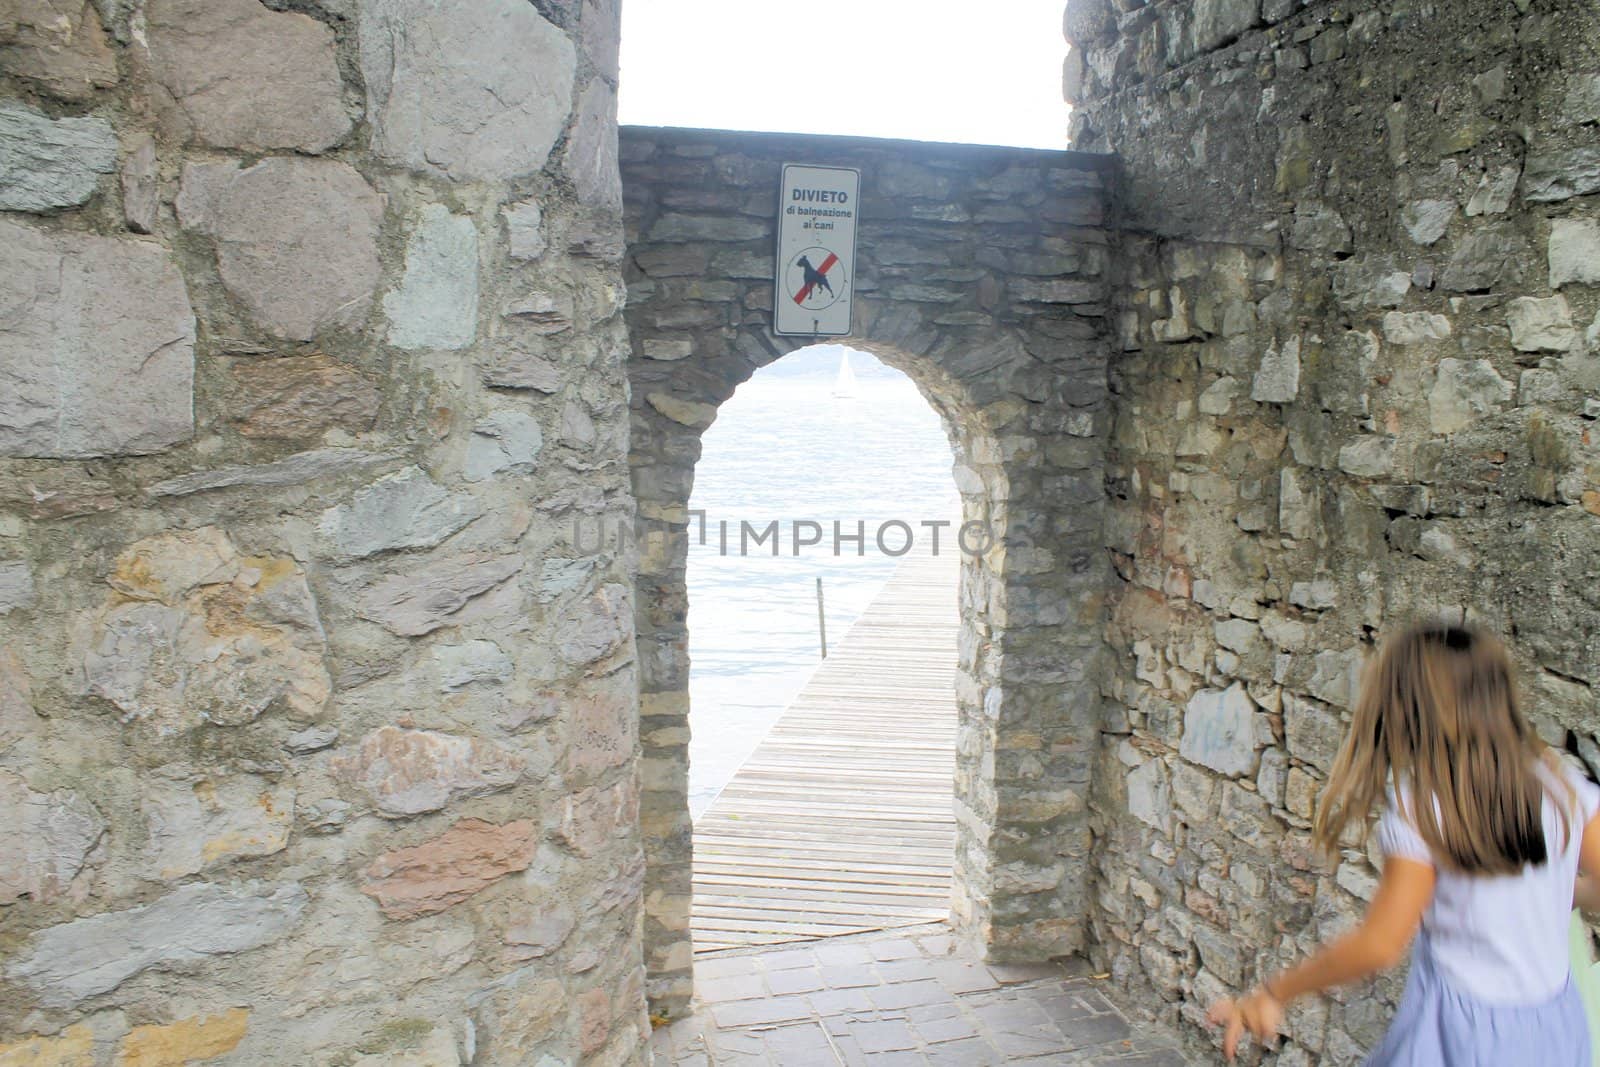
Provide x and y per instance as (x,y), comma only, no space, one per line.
(811,278)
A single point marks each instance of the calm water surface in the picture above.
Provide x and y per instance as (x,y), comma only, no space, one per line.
(786,448)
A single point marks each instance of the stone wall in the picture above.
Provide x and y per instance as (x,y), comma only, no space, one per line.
(317,732)
(981,273)
(1359,346)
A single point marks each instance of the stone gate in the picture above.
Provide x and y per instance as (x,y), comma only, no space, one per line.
(982,273)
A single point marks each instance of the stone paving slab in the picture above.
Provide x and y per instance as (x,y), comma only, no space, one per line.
(908,996)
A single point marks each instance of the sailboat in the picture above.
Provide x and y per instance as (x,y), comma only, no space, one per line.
(844,386)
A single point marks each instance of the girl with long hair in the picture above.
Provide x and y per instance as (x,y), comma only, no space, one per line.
(1483,833)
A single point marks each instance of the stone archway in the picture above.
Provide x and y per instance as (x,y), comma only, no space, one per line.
(982,275)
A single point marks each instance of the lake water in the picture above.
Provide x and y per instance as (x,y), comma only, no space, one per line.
(786,449)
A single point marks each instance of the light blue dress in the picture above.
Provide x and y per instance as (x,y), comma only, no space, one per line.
(1437,1026)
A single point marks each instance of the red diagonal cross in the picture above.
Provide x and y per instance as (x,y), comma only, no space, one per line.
(805,290)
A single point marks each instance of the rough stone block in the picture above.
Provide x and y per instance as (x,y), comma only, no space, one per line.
(60,45)
(207,636)
(479,93)
(48,163)
(197,825)
(183,1042)
(436,304)
(1425,221)
(595,818)
(471,663)
(406,509)
(524,229)
(420,600)
(1484,259)
(75,960)
(73,1047)
(1278,379)
(1561,173)
(297,469)
(98,349)
(1541,324)
(1314,733)
(236,74)
(1464,391)
(1414,327)
(1574,252)
(408,772)
(1149,795)
(1219,730)
(141,188)
(464,860)
(301,396)
(16,586)
(296,239)
(506,441)
(591,159)
(47,841)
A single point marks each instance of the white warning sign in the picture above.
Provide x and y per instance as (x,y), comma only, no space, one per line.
(816,250)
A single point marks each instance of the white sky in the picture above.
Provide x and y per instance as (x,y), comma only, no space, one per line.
(931,70)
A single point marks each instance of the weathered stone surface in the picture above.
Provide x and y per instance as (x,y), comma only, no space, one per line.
(1278,379)
(464,860)
(198,634)
(524,229)
(1336,678)
(1561,173)
(591,160)
(60,45)
(406,509)
(688,412)
(1414,327)
(436,1049)
(1484,259)
(597,625)
(1541,324)
(301,396)
(1319,228)
(1426,220)
(141,185)
(1574,252)
(295,470)
(514,367)
(74,1047)
(16,586)
(408,772)
(50,163)
(470,663)
(1217,22)
(436,305)
(1464,391)
(1149,795)
(1219,730)
(593,819)
(67,963)
(98,349)
(311,739)
(184,1042)
(296,239)
(236,74)
(1494,192)
(602,732)
(47,841)
(420,600)
(196,825)
(475,94)
(1314,733)
(506,441)
(17,717)
(1368,457)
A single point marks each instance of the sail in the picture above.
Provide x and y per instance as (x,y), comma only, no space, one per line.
(845,384)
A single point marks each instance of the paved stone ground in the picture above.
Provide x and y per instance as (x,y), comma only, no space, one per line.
(900,997)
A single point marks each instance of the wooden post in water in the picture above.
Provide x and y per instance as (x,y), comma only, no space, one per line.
(822,620)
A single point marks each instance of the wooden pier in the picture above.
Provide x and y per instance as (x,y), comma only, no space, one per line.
(842,819)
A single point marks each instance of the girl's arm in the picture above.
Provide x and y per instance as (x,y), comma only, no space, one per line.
(1380,942)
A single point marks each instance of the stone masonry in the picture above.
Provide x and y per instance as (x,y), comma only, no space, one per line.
(1359,347)
(300,759)
(982,273)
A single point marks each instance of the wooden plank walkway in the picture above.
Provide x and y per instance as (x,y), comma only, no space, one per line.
(842,819)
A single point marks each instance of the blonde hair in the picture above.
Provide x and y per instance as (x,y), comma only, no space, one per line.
(1438,712)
